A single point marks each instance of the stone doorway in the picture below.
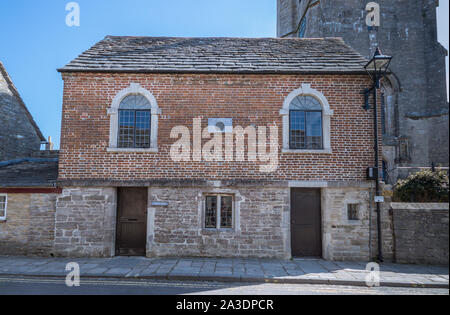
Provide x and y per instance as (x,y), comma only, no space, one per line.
(131,236)
(306,223)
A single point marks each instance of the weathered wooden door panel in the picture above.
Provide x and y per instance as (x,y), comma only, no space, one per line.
(131,221)
(306,231)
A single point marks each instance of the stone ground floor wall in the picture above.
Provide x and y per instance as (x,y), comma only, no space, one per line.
(261,223)
(421,233)
(30,225)
(81,222)
(85,222)
(344,239)
(354,240)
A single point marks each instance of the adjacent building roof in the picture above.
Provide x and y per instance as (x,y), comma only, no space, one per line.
(219,55)
(16,94)
(29,173)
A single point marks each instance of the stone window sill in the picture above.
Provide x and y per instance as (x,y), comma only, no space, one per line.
(217,231)
(130,150)
(354,222)
(291,151)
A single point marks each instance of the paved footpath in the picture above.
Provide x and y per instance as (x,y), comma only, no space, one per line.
(297,271)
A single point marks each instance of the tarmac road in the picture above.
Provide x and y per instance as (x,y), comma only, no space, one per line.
(57,286)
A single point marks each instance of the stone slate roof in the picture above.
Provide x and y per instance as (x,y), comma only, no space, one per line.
(219,55)
(15,92)
(29,173)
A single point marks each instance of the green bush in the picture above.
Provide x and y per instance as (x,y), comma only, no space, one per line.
(424,186)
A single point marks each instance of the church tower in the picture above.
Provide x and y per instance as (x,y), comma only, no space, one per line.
(415,108)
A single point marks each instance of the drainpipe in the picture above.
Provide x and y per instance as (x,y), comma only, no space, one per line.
(377,68)
(377,172)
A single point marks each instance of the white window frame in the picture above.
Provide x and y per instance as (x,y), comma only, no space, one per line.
(3,218)
(113,113)
(327,113)
(218,212)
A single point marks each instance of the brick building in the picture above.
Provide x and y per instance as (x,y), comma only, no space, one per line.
(215,147)
(415,103)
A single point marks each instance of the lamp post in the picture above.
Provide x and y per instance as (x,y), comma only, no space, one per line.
(377,68)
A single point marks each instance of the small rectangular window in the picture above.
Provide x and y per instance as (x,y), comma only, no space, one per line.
(352,210)
(3,205)
(219,212)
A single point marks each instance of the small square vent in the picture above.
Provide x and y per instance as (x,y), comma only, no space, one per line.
(220,125)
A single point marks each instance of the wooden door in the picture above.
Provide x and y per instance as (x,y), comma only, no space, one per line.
(306,223)
(131,221)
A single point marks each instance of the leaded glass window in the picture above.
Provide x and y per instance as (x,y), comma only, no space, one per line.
(305,130)
(226,212)
(134,122)
(135,101)
(219,212)
(352,210)
(211,212)
(383,114)
(2,207)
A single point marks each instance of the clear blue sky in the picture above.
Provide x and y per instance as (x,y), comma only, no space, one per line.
(35,40)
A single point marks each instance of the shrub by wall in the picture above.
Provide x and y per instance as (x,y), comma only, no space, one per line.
(424,186)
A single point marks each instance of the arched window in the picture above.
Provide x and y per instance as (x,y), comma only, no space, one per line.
(306,122)
(134,120)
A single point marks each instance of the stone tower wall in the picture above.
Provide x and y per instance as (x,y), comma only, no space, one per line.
(416,96)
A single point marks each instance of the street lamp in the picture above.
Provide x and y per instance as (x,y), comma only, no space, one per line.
(377,68)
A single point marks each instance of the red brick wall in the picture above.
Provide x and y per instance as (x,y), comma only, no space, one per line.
(248,99)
